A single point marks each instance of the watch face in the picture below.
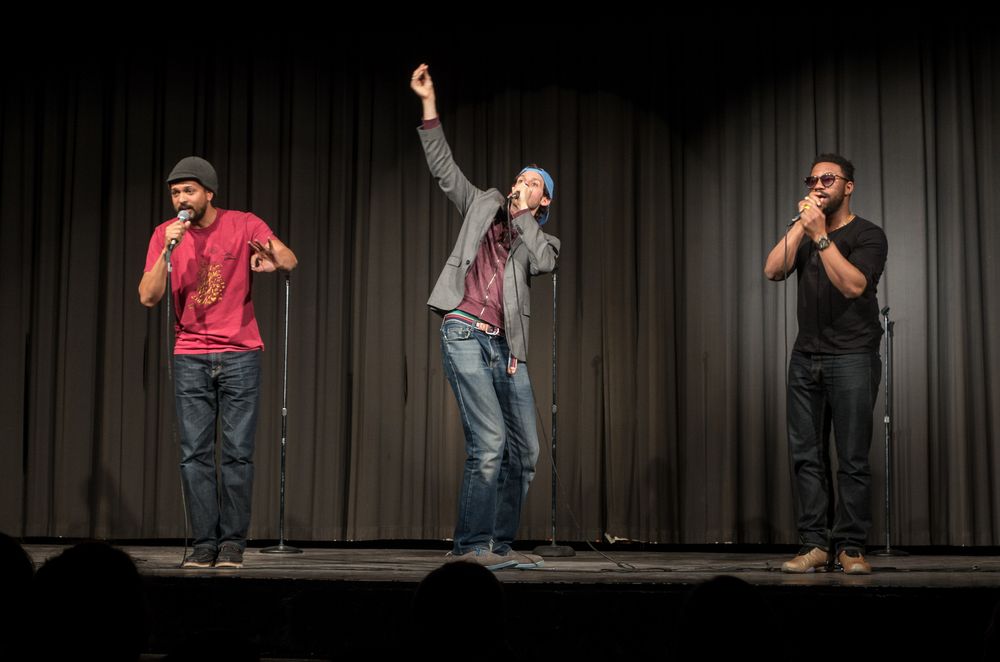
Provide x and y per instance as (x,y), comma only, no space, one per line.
(823,242)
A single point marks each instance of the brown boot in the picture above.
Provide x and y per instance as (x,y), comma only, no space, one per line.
(813,559)
(854,562)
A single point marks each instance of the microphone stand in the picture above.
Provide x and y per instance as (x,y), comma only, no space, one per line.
(554,550)
(281,547)
(170,375)
(887,326)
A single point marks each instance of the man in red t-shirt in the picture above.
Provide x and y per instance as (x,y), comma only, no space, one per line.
(216,353)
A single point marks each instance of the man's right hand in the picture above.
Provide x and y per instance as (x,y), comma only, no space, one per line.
(520,200)
(423,86)
(176,231)
(812,218)
(421,82)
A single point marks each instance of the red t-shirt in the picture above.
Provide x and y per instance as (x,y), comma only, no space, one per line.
(211,283)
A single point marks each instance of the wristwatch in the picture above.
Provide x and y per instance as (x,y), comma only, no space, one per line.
(823,243)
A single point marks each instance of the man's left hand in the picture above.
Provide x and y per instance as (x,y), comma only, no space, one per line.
(262,258)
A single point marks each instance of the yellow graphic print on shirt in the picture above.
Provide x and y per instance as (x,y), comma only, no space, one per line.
(210,285)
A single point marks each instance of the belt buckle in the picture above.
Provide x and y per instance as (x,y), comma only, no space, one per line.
(488,329)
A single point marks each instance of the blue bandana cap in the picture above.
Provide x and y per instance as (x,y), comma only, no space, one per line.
(550,186)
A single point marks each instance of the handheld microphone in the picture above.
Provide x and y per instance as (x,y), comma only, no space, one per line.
(183,217)
(799,215)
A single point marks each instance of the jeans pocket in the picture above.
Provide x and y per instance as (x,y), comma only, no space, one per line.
(454,331)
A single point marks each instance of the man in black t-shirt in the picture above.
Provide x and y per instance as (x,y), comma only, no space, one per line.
(835,368)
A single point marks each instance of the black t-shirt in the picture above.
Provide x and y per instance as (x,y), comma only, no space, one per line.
(829,322)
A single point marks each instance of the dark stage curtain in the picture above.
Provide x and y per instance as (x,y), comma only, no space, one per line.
(678,157)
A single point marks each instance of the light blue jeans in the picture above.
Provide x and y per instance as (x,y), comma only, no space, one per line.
(501,441)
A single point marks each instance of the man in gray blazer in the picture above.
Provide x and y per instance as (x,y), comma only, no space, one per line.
(484,298)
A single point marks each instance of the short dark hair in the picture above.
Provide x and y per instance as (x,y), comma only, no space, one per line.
(844,164)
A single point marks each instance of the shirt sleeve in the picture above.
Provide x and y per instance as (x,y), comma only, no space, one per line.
(869,253)
(258,230)
(155,247)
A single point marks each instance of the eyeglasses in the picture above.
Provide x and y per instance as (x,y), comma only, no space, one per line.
(827,180)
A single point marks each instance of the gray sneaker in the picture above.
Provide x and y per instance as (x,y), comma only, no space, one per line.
(524,560)
(483,557)
(200,557)
(230,556)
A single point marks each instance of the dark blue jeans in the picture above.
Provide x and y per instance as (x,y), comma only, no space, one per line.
(837,390)
(207,387)
(501,441)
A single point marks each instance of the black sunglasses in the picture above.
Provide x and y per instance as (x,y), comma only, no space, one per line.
(826,180)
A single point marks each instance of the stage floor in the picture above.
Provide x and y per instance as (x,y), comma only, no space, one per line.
(587,567)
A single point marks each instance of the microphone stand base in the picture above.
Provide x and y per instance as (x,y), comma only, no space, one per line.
(554,551)
(281,548)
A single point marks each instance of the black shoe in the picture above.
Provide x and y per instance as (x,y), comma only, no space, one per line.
(230,556)
(200,557)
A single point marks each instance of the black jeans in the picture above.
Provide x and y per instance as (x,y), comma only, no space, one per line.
(837,389)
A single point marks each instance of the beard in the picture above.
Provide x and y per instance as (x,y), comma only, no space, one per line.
(833,204)
(196,213)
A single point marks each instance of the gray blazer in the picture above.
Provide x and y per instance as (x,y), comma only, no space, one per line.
(533,252)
